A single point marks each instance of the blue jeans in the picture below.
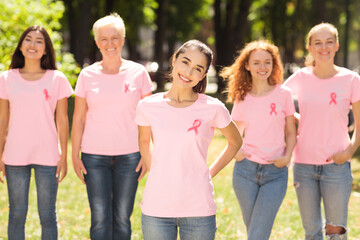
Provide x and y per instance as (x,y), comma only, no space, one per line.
(190,228)
(18,181)
(111,183)
(260,190)
(330,182)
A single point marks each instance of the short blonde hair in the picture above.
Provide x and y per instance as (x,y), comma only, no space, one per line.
(309,60)
(110,20)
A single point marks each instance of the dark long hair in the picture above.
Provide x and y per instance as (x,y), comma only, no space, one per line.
(203,48)
(47,60)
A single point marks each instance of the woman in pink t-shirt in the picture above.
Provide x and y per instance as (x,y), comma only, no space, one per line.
(104,128)
(325,93)
(264,112)
(179,193)
(30,93)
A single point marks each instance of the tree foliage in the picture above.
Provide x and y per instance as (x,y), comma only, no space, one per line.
(17,15)
(80,16)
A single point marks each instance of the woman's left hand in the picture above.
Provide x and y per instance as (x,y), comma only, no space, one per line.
(281,162)
(61,170)
(141,166)
(340,157)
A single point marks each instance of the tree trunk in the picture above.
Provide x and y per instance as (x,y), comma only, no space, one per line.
(160,38)
(230,35)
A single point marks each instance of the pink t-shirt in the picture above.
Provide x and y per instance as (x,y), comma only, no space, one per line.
(264,121)
(179,182)
(324,106)
(110,127)
(32,137)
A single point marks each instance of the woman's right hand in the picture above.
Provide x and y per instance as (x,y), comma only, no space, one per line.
(79,168)
(240,155)
(2,169)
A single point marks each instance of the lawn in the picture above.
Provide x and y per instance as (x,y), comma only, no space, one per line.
(74,213)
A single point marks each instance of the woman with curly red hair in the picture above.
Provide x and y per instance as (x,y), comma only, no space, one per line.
(264,112)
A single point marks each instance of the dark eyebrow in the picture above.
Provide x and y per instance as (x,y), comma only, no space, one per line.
(38,38)
(200,66)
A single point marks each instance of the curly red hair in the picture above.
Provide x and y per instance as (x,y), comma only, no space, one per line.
(239,78)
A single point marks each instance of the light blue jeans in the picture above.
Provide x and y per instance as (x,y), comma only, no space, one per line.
(190,228)
(18,181)
(111,183)
(332,183)
(260,190)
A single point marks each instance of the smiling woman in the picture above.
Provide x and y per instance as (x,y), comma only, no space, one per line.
(179,193)
(31,92)
(322,171)
(263,111)
(107,93)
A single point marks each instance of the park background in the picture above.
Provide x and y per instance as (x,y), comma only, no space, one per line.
(154,29)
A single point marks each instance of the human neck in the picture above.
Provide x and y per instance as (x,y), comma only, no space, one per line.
(325,70)
(260,88)
(180,97)
(32,66)
(111,66)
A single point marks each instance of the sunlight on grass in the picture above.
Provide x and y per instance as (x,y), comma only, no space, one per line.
(74,212)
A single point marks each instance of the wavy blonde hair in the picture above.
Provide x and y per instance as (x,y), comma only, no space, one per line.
(309,59)
(240,79)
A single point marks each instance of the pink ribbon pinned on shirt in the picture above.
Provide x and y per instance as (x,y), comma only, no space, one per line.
(47,96)
(196,125)
(333,98)
(273,108)
(127,85)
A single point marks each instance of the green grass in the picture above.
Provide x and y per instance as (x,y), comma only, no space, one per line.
(74,213)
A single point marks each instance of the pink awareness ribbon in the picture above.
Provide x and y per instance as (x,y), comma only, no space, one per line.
(333,98)
(273,108)
(127,85)
(47,96)
(196,125)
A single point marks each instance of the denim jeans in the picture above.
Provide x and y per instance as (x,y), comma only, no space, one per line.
(260,190)
(330,182)
(190,228)
(18,181)
(111,183)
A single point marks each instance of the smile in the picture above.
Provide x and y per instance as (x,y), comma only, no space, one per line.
(184,78)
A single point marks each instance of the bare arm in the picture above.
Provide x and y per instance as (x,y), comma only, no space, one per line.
(234,139)
(77,131)
(4,123)
(342,157)
(141,166)
(290,135)
(62,122)
(144,145)
(240,155)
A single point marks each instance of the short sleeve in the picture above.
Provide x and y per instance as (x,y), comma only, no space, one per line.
(355,88)
(80,90)
(140,117)
(289,104)
(236,113)
(147,86)
(292,82)
(222,118)
(65,89)
(3,88)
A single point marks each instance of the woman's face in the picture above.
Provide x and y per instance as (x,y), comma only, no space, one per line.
(260,65)
(109,42)
(189,68)
(323,45)
(33,45)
